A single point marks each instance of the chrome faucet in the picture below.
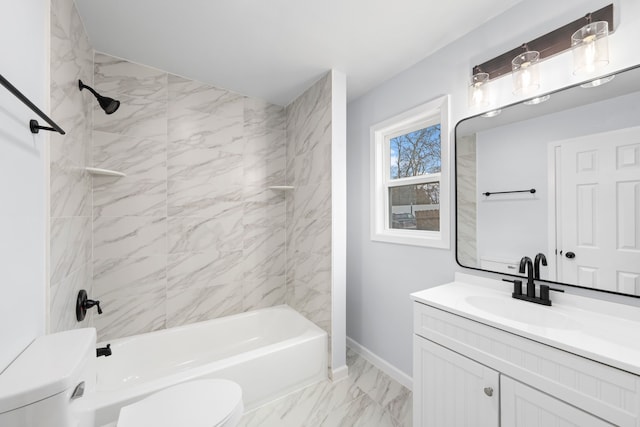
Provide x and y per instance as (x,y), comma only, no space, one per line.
(526,263)
(540,258)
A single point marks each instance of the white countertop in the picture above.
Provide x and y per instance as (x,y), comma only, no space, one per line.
(603,331)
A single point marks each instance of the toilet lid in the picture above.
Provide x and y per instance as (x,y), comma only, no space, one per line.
(200,403)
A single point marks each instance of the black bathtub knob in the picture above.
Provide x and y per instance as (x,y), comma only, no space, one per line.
(83,304)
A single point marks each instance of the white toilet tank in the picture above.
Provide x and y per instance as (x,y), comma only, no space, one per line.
(42,387)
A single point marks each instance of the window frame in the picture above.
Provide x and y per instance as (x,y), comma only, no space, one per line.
(422,116)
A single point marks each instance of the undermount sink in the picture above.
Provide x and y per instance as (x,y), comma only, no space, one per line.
(522,312)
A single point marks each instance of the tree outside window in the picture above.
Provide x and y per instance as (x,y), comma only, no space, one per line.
(416,153)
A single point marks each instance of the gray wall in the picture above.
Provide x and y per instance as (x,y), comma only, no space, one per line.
(380,276)
(23,211)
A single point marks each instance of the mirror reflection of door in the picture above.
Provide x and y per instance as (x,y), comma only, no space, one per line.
(598,210)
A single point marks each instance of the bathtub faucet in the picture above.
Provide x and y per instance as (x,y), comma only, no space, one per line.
(103,351)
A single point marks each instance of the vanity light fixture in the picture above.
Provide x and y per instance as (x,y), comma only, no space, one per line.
(591,43)
(598,82)
(526,76)
(590,47)
(537,100)
(478,90)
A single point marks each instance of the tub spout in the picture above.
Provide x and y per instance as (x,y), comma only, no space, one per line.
(103,351)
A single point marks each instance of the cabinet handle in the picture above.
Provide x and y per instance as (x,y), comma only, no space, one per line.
(488,391)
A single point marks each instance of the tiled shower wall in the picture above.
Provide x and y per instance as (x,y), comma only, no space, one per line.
(70,184)
(467,203)
(309,203)
(192,232)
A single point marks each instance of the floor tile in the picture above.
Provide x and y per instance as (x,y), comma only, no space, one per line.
(368,397)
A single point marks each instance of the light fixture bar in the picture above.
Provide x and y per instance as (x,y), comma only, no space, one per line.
(548,45)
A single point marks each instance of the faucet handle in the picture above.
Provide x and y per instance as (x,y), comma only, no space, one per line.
(517,286)
(83,304)
(544,292)
(91,303)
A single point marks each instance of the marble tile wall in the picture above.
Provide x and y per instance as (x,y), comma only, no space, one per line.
(70,185)
(309,204)
(467,201)
(192,232)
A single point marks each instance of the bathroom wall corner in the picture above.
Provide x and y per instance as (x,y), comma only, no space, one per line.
(338,222)
(309,209)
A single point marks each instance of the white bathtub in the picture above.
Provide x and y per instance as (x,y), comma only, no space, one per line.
(269,352)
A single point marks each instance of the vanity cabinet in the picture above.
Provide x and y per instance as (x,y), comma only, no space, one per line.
(466,373)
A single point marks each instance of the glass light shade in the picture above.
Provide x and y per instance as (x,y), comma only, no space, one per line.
(590,48)
(478,90)
(598,82)
(492,113)
(526,76)
(537,100)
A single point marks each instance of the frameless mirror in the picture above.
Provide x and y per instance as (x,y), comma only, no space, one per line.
(559,178)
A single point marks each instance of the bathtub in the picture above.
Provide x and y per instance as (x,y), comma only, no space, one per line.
(270,352)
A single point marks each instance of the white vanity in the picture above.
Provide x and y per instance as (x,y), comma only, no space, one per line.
(482,358)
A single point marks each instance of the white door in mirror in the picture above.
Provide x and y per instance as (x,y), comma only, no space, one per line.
(599,211)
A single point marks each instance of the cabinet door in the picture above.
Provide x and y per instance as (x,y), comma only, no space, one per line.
(451,390)
(523,406)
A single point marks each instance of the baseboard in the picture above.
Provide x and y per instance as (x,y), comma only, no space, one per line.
(339,374)
(381,364)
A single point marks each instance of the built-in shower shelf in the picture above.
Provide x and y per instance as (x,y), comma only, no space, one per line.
(281,187)
(104,172)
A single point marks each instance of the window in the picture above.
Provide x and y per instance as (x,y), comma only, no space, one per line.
(410,177)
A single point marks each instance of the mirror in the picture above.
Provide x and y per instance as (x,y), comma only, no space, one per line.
(559,178)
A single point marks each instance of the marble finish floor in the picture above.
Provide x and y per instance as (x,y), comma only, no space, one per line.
(368,398)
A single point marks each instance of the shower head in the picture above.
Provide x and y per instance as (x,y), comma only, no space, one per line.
(109,105)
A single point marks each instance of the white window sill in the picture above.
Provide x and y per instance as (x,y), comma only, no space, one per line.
(427,239)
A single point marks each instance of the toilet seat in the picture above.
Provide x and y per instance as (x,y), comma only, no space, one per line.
(199,403)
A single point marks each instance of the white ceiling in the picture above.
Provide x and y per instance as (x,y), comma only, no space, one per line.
(274,49)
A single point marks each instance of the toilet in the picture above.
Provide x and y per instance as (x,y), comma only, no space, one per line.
(46,383)
(198,403)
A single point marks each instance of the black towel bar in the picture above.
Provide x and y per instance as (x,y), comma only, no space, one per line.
(532,191)
(33,124)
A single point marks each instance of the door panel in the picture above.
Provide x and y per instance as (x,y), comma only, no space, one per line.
(452,390)
(599,211)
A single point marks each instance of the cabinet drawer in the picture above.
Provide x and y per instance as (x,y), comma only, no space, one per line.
(523,406)
(604,391)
